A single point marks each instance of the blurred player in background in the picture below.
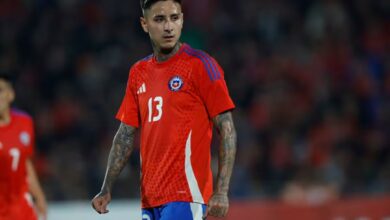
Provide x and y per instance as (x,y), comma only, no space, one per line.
(21,196)
(174,96)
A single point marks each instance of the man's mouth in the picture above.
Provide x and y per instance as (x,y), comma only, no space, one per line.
(168,37)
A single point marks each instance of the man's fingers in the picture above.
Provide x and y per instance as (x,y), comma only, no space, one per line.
(104,211)
(100,206)
(218,211)
(224,211)
(218,206)
(94,206)
(214,211)
(103,207)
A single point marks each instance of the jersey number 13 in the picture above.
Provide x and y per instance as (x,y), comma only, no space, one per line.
(155,104)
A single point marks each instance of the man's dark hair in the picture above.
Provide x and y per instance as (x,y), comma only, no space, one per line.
(146,4)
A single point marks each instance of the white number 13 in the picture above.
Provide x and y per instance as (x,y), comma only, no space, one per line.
(158,101)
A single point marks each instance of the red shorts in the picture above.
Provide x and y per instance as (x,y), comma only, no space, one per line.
(21,210)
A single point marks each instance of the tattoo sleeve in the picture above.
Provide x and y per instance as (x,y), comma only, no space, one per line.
(227,150)
(122,146)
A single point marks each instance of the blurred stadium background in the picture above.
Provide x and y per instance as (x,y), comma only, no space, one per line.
(311,80)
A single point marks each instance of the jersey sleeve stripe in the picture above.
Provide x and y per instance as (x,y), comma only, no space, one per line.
(207,65)
(206,61)
(191,179)
(217,75)
(197,211)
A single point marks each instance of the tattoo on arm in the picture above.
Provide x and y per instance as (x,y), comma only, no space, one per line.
(227,150)
(122,146)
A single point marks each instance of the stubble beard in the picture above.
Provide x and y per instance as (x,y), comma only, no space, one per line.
(163,54)
(167,51)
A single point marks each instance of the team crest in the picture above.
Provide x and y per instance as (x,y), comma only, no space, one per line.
(24,138)
(175,83)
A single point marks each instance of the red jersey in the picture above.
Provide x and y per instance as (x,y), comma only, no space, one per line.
(173,102)
(16,146)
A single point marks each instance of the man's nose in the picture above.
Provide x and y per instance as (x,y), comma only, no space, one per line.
(168,26)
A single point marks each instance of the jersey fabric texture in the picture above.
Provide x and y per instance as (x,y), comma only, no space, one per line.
(16,146)
(175,210)
(173,103)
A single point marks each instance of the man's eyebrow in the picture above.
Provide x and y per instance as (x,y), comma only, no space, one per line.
(159,16)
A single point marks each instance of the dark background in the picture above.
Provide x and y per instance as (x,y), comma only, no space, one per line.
(310,79)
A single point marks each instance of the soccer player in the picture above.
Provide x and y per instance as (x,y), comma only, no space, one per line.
(19,185)
(174,97)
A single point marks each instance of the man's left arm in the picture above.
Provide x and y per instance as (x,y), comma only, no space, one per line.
(36,190)
(219,203)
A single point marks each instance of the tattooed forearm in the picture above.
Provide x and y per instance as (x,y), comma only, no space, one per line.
(227,150)
(121,149)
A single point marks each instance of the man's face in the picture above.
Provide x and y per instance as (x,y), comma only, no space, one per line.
(163,21)
(6,95)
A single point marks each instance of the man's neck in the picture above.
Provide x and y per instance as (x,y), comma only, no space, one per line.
(5,118)
(162,56)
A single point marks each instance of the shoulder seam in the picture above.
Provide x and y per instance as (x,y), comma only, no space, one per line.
(147,57)
(211,68)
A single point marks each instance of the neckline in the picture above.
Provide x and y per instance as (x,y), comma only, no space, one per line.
(172,58)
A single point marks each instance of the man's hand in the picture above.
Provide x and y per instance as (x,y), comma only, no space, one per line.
(41,206)
(218,205)
(219,202)
(36,191)
(121,149)
(100,202)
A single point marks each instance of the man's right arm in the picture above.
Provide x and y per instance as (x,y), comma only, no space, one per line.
(122,146)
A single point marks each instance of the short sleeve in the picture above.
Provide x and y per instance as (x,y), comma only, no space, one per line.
(31,146)
(212,87)
(128,111)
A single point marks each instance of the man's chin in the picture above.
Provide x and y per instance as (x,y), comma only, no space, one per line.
(166,49)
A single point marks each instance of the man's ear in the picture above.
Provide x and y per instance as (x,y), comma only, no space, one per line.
(143,24)
(12,95)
